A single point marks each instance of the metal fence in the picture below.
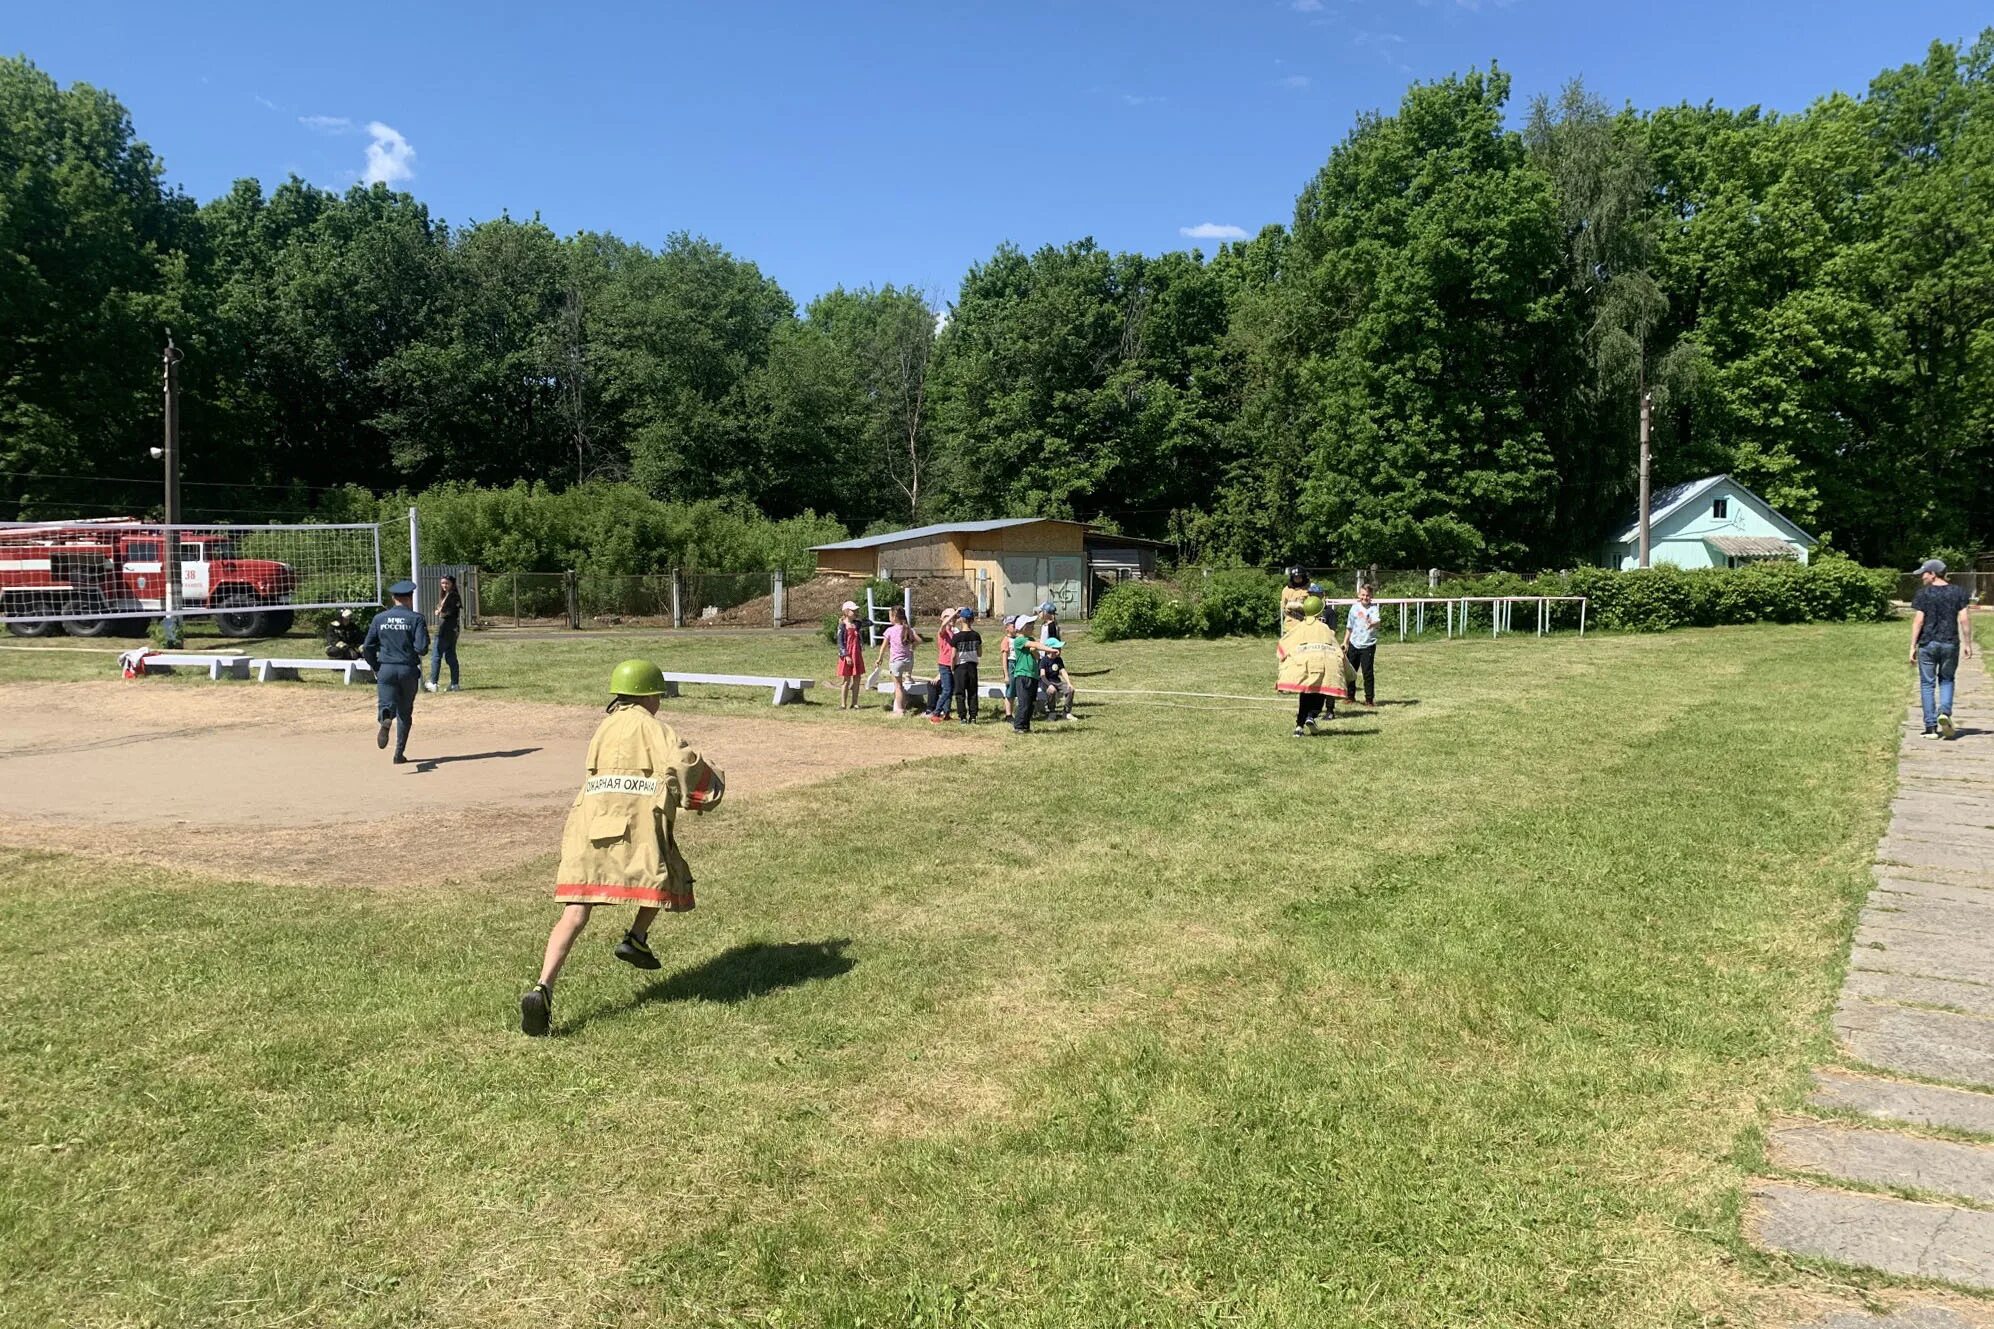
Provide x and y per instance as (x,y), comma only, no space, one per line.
(1978,583)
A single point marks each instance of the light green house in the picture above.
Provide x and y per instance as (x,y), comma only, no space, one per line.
(1714,522)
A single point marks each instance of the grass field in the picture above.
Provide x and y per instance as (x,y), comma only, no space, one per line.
(1467,1013)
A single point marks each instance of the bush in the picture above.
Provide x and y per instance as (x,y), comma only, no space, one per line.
(1239,602)
(1660,598)
(1135,609)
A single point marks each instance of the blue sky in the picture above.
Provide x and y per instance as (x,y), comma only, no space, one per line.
(862,143)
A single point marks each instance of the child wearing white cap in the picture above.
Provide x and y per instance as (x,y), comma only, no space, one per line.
(851,656)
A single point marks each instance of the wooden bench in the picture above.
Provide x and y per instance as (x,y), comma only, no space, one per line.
(267,669)
(781,690)
(217,666)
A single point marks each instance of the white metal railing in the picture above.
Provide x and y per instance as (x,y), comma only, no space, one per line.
(1502,611)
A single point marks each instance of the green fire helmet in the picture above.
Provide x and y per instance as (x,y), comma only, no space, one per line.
(637,678)
(1312,606)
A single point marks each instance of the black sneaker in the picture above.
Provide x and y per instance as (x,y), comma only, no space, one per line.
(536,1011)
(400,760)
(381,738)
(634,950)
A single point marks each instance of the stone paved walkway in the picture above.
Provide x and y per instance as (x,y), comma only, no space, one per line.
(1912,1108)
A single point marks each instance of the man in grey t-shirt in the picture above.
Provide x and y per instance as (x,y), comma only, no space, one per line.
(1940,634)
(1360,641)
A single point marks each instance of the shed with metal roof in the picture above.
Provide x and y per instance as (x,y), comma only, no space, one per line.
(1013,563)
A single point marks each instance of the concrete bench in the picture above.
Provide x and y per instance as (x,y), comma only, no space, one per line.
(217,666)
(781,690)
(267,669)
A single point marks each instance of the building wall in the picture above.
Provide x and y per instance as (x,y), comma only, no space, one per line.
(1680,539)
(850,562)
(940,556)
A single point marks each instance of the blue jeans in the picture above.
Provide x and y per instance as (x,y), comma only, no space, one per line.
(1937,662)
(944,689)
(446,649)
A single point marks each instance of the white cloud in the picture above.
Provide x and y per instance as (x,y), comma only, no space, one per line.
(1386,46)
(1295,81)
(327,124)
(1212,231)
(1136,99)
(1307,6)
(390,159)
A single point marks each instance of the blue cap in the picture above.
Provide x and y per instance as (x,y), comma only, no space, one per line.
(1052,643)
(967,613)
(1048,608)
(402,587)
(1315,588)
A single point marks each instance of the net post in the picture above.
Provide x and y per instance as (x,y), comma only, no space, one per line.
(415,557)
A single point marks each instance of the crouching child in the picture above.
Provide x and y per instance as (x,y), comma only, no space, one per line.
(618,846)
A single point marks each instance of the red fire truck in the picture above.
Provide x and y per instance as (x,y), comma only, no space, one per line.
(87,577)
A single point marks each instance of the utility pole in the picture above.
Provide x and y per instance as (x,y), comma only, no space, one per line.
(1647,419)
(169,545)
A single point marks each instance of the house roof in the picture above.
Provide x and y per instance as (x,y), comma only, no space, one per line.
(943,528)
(1667,502)
(1750,546)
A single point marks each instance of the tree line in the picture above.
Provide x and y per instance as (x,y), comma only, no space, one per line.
(1438,361)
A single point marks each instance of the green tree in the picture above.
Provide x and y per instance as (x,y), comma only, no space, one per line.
(91,274)
(686,330)
(1426,313)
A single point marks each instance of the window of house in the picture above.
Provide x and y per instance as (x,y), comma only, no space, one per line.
(1721,508)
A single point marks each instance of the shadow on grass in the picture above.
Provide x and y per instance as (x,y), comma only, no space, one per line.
(741,973)
(1399,701)
(431,763)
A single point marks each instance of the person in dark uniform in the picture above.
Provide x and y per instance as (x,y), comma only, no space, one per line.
(396,641)
(449,614)
(342,637)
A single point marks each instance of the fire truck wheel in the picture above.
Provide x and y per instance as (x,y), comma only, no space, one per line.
(78,626)
(40,628)
(278,621)
(236,618)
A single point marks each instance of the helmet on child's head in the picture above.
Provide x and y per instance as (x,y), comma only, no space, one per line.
(1312,606)
(637,678)
(1296,576)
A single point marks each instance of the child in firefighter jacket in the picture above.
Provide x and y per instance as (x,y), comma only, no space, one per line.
(1309,664)
(618,846)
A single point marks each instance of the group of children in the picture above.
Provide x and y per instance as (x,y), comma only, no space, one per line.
(1311,663)
(1035,677)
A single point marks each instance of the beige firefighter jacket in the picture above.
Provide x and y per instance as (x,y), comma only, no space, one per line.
(1309,660)
(618,846)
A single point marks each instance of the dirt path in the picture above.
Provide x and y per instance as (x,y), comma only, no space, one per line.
(279,783)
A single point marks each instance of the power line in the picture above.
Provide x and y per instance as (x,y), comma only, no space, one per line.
(153,480)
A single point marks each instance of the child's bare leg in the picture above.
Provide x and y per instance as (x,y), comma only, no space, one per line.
(641,926)
(562,939)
